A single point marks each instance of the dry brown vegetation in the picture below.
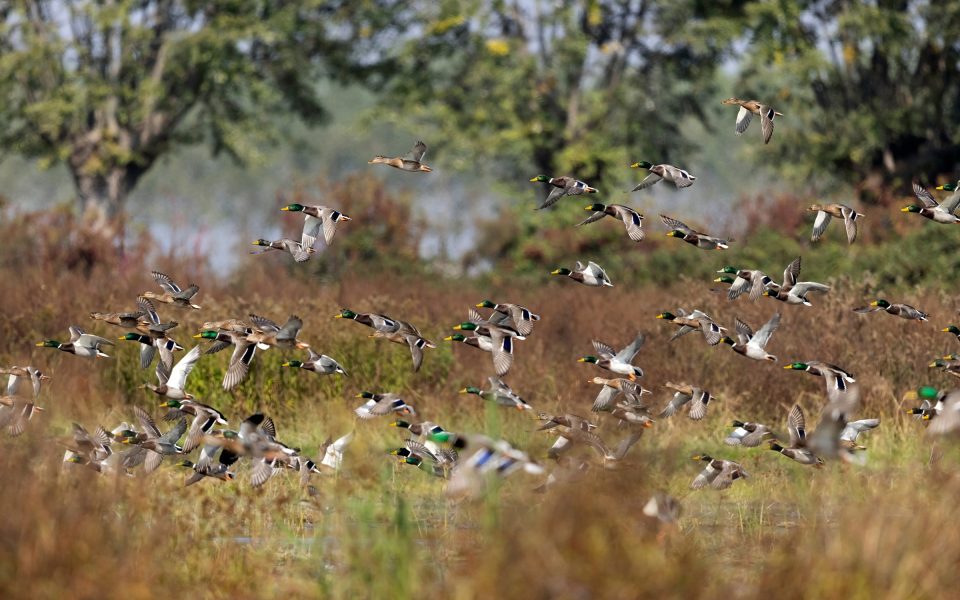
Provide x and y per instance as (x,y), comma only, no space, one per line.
(381,529)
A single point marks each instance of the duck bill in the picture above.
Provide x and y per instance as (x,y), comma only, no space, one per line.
(285,208)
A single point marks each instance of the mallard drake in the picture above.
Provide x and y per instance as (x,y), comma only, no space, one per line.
(298,251)
(18,375)
(612,389)
(267,333)
(617,362)
(754,346)
(836,378)
(424,460)
(317,363)
(154,445)
(501,338)
(243,353)
(948,364)
(499,393)
(694,321)
(840,211)
(477,341)
(940,212)
(632,220)
(378,405)
(749,435)
(748,108)
(927,409)
(521,317)
(81,344)
(411,162)
(718,473)
(204,418)
(952,329)
(904,311)
(754,280)
(670,173)
(793,291)
(797,449)
(680,230)
(562,186)
(592,275)
(683,394)
(314,218)
(393,330)
(172,294)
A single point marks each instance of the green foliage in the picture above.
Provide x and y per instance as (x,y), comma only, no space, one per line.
(109,88)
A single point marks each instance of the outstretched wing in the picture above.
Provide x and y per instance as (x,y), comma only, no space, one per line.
(627,354)
(675,224)
(820,225)
(744,333)
(796,426)
(178,376)
(791,273)
(766,122)
(418,150)
(602,350)
(924,196)
(165,282)
(648,181)
(744,117)
(762,337)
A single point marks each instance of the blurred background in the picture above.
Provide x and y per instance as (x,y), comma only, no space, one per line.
(183,126)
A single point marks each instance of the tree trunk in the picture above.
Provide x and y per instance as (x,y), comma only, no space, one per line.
(103,193)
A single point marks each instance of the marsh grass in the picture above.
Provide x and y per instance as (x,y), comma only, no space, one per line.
(381,529)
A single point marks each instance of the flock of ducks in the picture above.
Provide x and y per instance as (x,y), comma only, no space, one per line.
(469,461)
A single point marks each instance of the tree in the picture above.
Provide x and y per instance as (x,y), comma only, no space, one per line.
(108,87)
(581,87)
(870,88)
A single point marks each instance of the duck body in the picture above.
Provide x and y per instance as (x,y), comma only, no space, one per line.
(749,108)
(591,275)
(669,173)
(411,163)
(841,211)
(632,220)
(565,185)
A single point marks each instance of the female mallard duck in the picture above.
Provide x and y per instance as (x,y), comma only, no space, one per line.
(80,344)
(632,220)
(562,186)
(754,280)
(718,473)
(172,294)
(19,374)
(670,173)
(678,229)
(748,108)
(317,363)
(840,211)
(797,449)
(683,394)
(298,251)
(617,362)
(130,319)
(499,393)
(592,274)
(696,320)
(377,405)
(940,212)
(267,333)
(613,389)
(753,346)
(793,291)
(904,311)
(522,318)
(412,162)
(314,218)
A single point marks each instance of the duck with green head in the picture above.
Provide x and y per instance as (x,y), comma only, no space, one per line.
(562,186)
(952,329)
(243,352)
(316,217)
(501,336)
(681,230)
(499,393)
(669,173)
(81,344)
(617,362)
(939,212)
(521,316)
(904,311)
(745,279)
(317,363)
(591,275)
(298,251)
(631,219)
(477,341)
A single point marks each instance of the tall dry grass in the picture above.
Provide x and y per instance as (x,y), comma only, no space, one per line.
(384,530)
